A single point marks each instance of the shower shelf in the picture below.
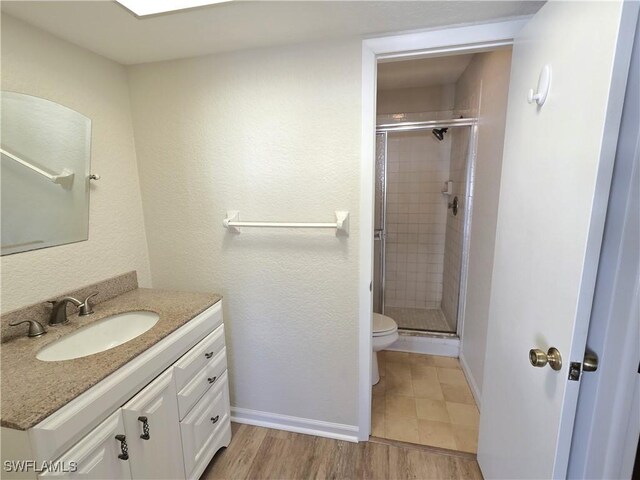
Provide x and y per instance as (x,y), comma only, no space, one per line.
(232,223)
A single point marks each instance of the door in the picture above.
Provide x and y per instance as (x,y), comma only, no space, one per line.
(557,166)
(153,431)
(97,456)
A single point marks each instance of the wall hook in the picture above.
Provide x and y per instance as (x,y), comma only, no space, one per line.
(544,84)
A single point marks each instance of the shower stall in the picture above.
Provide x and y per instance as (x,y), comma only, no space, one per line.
(423,195)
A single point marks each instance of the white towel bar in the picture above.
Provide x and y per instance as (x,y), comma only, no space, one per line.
(65,179)
(232,223)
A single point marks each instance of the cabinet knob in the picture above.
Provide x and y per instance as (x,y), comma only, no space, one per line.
(215,419)
(145,428)
(208,355)
(123,447)
(211,379)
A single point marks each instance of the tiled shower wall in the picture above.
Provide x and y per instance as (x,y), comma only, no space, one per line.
(455,225)
(417,167)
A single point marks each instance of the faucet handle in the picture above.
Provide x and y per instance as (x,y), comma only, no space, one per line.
(35,328)
(86,308)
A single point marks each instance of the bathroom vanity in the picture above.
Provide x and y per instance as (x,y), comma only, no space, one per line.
(154,407)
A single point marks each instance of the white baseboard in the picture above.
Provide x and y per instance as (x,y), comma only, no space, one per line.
(470,380)
(307,426)
(446,347)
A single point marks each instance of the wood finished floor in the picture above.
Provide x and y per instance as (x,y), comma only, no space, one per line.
(262,453)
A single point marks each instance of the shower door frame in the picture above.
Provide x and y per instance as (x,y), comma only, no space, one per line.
(472,123)
(383,235)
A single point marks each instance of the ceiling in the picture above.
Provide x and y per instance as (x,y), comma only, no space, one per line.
(108,29)
(426,72)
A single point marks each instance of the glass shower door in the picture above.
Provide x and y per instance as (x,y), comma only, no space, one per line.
(379,223)
(420,254)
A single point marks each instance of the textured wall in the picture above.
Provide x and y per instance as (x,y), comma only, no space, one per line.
(39,64)
(414,100)
(485,83)
(275,134)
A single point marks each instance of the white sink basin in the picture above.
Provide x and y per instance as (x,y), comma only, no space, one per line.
(102,335)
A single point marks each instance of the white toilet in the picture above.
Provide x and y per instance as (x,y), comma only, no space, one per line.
(385,332)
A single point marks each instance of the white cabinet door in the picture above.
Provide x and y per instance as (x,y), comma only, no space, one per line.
(97,456)
(556,173)
(153,431)
(206,428)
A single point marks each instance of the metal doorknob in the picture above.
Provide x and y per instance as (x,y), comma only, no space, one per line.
(539,359)
(590,362)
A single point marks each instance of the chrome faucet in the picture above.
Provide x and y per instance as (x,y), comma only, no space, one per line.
(59,311)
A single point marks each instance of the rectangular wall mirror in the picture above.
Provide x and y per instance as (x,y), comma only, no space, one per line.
(45,155)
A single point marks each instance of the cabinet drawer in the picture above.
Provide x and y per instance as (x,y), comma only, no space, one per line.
(201,382)
(200,355)
(206,429)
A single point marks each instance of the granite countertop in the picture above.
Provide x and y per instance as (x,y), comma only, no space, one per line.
(32,389)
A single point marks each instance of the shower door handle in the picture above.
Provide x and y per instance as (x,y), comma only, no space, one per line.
(379,234)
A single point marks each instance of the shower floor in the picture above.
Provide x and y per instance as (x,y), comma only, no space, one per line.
(419,319)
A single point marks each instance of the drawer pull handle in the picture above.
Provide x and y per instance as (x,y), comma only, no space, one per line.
(215,419)
(208,355)
(145,428)
(123,446)
(212,379)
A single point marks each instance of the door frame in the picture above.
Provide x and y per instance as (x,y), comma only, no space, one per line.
(434,42)
(605,434)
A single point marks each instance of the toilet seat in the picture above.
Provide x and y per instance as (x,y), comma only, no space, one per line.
(383,325)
